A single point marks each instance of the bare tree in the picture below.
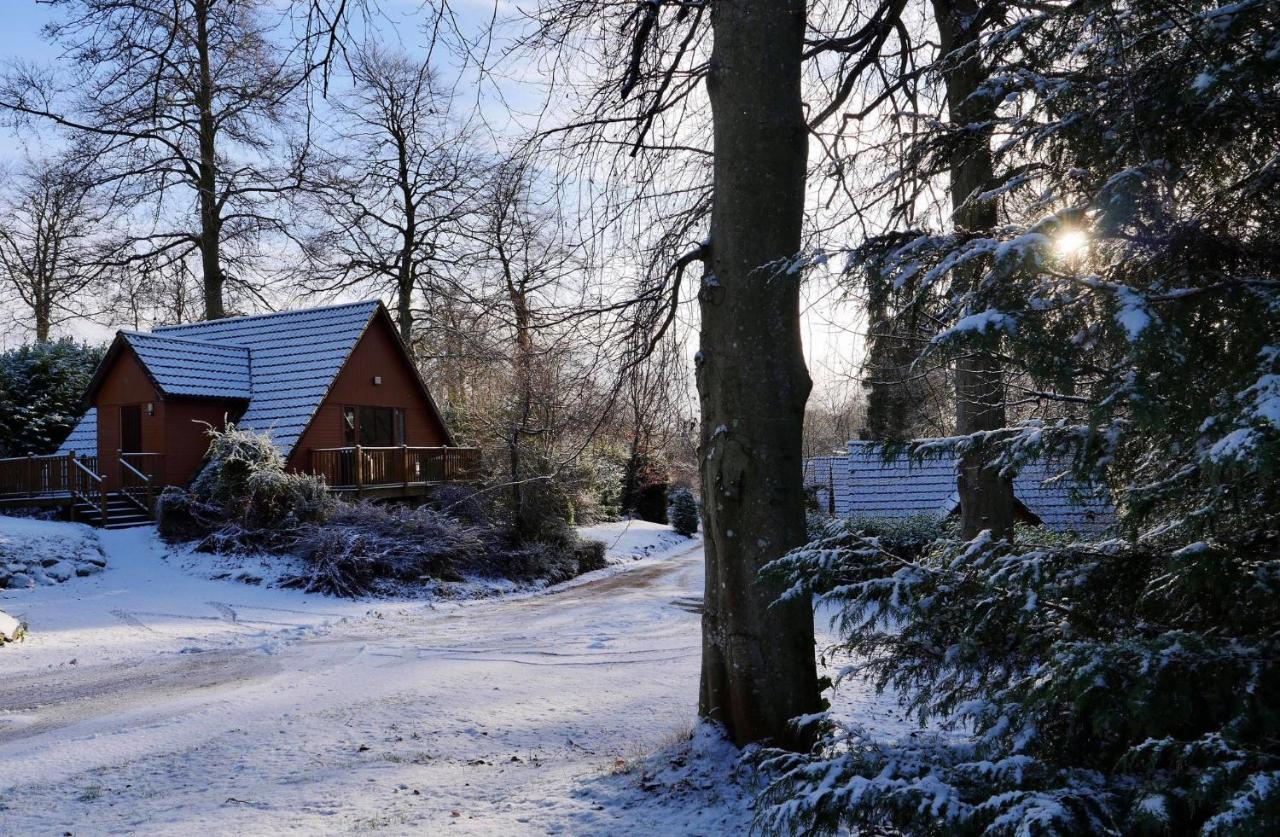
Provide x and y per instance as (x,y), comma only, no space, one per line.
(51,246)
(527,267)
(187,97)
(389,196)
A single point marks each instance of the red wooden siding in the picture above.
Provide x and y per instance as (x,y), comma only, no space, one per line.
(125,383)
(187,437)
(375,355)
(171,429)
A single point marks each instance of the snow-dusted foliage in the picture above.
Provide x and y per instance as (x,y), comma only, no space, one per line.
(682,511)
(41,387)
(364,548)
(39,553)
(243,498)
(244,501)
(1127,686)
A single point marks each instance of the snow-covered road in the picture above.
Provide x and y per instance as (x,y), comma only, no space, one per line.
(263,711)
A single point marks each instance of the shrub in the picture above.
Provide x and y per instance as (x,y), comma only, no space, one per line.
(363,545)
(465,502)
(41,387)
(682,513)
(243,498)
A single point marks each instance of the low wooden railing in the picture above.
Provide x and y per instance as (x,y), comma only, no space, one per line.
(87,486)
(141,477)
(361,467)
(43,476)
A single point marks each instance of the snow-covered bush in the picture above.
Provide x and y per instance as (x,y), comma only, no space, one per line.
(363,547)
(682,511)
(39,553)
(243,498)
(1127,686)
(363,543)
(41,390)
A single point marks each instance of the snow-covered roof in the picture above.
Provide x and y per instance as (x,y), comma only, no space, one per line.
(292,359)
(828,476)
(1062,502)
(193,368)
(84,436)
(898,486)
(281,364)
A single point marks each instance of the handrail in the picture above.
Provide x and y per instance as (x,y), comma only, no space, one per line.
(135,485)
(126,464)
(82,467)
(100,501)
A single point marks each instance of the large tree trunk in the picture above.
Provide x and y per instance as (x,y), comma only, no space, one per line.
(986,500)
(405,279)
(210,214)
(44,316)
(758,669)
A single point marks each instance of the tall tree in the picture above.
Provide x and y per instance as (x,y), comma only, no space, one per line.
(51,245)
(393,188)
(758,670)
(986,498)
(188,97)
(527,265)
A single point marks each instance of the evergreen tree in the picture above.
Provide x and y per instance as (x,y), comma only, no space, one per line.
(1129,685)
(41,387)
(682,513)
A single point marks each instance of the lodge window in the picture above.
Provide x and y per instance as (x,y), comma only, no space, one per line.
(374,427)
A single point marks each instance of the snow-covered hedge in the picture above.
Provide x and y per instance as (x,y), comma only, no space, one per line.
(363,547)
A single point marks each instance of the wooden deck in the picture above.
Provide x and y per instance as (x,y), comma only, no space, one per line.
(401,471)
(358,472)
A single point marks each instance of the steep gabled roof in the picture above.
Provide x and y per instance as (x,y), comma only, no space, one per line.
(1061,502)
(193,368)
(898,486)
(294,357)
(280,366)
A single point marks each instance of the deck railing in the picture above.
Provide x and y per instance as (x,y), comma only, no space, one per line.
(359,467)
(141,478)
(56,475)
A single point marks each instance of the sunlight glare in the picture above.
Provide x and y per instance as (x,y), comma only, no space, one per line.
(1070,243)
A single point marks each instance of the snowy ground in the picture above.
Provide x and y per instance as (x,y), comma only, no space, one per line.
(153,701)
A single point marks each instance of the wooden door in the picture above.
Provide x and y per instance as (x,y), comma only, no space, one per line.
(131,428)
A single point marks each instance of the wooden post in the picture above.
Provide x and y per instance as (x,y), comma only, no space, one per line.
(31,473)
(359,472)
(71,478)
(404,463)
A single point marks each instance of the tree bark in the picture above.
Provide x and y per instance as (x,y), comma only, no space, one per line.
(986,500)
(758,670)
(210,212)
(405,279)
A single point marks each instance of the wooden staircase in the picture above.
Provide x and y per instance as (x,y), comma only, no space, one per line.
(123,512)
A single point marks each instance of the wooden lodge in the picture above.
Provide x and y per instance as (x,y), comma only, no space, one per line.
(333,387)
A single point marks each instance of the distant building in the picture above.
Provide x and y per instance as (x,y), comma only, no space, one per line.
(333,388)
(864,483)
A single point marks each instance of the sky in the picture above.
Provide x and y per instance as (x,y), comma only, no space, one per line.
(509,100)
